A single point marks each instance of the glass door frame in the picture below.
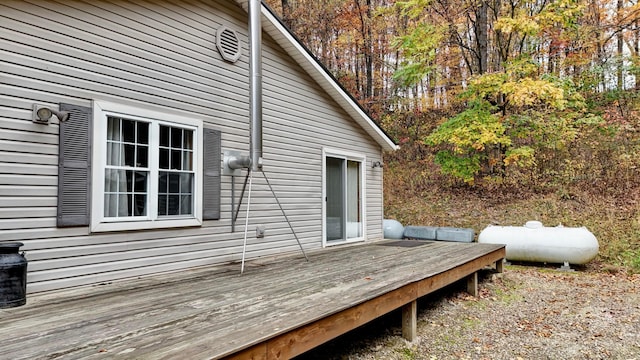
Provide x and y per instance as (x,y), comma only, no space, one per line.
(346,156)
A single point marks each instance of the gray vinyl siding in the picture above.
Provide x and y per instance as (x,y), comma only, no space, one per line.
(160,56)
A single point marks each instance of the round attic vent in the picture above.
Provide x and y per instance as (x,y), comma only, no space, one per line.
(228,44)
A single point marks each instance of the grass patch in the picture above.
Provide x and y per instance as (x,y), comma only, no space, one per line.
(631,258)
(509,296)
(471,322)
(408,353)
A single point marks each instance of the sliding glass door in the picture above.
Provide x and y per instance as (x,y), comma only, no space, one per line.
(344,198)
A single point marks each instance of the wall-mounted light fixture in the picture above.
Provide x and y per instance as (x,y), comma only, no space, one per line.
(377,164)
(42,114)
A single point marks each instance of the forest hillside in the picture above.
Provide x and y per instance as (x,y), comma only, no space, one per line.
(505,110)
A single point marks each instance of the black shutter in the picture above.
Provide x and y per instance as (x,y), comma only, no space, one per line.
(211,178)
(74,166)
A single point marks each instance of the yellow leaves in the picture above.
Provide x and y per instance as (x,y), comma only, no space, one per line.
(463,139)
(521,86)
(522,156)
(486,85)
(530,92)
(474,129)
(561,12)
(476,138)
(522,68)
(412,8)
(525,25)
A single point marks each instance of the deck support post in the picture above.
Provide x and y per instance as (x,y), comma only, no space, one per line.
(410,321)
(500,266)
(472,284)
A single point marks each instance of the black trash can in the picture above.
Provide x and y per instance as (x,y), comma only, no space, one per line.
(13,275)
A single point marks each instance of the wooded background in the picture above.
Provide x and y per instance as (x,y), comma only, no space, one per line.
(495,99)
(509,80)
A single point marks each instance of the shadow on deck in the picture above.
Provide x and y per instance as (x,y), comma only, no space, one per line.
(277,309)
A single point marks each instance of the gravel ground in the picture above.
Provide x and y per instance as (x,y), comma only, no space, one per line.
(527,312)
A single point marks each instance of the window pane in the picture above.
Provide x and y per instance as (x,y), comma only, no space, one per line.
(113,129)
(176,138)
(185,205)
(129,155)
(113,154)
(335,197)
(187,160)
(129,131)
(164,159)
(111,180)
(164,136)
(174,205)
(110,205)
(176,160)
(174,183)
(185,183)
(354,198)
(140,182)
(187,139)
(140,204)
(162,205)
(129,180)
(143,133)
(142,158)
(123,205)
(163,183)
(122,180)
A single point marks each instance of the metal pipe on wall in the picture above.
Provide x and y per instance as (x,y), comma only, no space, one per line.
(255,114)
(255,103)
(255,83)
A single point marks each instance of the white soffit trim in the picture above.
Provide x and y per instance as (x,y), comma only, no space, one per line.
(283,37)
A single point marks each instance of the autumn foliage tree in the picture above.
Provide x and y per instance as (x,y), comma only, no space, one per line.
(518,85)
(513,119)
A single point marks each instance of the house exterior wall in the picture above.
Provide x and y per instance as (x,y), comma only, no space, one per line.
(161,57)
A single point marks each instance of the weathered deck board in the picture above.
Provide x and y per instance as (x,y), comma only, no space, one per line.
(284,303)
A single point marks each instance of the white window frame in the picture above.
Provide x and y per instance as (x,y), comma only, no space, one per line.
(346,155)
(103,109)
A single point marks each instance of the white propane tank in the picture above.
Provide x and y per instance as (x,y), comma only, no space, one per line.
(537,243)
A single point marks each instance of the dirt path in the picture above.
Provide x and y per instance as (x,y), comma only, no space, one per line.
(525,313)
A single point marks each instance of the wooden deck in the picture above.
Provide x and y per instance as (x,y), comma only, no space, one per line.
(276,310)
